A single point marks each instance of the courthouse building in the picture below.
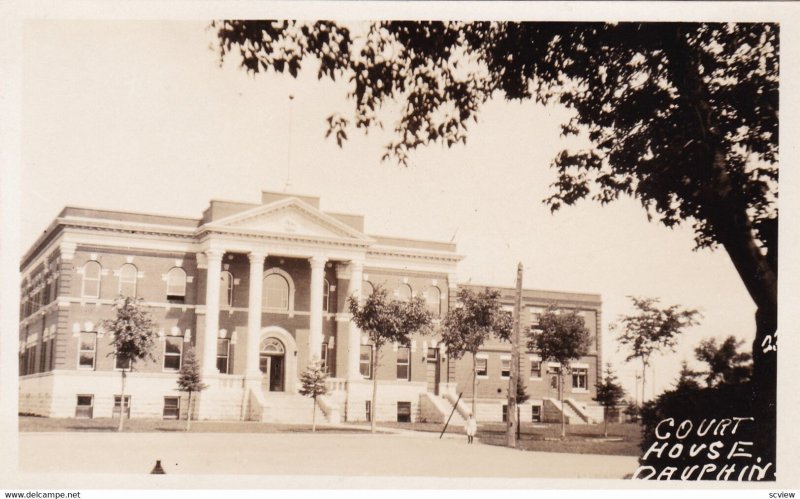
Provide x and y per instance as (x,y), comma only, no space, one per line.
(259,290)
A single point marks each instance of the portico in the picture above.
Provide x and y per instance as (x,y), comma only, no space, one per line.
(293,232)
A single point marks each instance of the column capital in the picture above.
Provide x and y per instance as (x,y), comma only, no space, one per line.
(318,262)
(257,256)
(214,254)
(356,266)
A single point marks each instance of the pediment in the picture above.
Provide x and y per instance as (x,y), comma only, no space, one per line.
(290,217)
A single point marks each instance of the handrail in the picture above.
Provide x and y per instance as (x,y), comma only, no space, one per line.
(451,415)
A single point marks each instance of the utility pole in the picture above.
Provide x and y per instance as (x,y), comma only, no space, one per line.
(511,413)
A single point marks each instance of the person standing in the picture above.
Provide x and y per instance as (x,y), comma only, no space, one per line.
(471,427)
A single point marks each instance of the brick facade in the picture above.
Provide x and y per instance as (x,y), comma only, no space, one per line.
(65,354)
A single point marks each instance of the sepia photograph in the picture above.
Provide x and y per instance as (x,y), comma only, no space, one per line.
(442,245)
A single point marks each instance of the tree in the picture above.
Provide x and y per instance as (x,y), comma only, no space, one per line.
(651,329)
(312,382)
(190,380)
(609,394)
(725,363)
(682,117)
(133,337)
(474,320)
(686,379)
(388,321)
(561,337)
(633,410)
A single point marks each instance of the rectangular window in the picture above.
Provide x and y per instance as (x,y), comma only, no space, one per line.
(43,356)
(118,406)
(481,364)
(121,363)
(432,354)
(403,363)
(404,412)
(87,350)
(505,367)
(54,289)
(171,407)
(369,410)
(553,373)
(223,354)
(580,377)
(365,361)
(85,406)
(536,368)
(323,356)
(505,413)
(52,360)
(536,413)
(173,346)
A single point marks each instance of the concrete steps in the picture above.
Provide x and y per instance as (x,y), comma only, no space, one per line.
(289,409)
(436,409)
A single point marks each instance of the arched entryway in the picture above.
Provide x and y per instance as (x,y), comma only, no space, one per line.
(277,360)
(272,362)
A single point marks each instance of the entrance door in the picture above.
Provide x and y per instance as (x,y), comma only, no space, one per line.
(432,370)
(263,366)
(271,363)
(276,373)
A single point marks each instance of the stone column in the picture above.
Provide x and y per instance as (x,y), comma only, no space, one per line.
(254,313)
(315,324)
(354,336)
(213,275)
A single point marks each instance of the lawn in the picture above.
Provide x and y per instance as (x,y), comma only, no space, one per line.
(584,439)
(623,439)
(34,424)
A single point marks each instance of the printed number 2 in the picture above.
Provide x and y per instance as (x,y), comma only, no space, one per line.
(770,343)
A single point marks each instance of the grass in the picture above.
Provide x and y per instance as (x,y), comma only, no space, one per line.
(38,424)
(584,439)
(623,439)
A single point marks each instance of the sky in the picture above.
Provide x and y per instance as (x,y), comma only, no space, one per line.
(140,116)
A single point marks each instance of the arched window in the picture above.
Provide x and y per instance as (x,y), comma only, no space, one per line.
(91,279)
(226,289)
(326,296)
(433,298)
(127,280)
(271,346)
(276,292)
(176,285)
(404,293)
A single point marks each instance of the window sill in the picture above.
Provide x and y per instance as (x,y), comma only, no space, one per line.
(539,378)
(579,390)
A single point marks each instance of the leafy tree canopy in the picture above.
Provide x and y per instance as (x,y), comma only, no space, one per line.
(561,336)
(682,116)
(725,363)
(652,328)
(389,321)
(478,317)
(686,379)
(133,330)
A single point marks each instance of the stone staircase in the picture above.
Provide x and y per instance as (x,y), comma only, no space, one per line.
(553,408)
(289,409)
(436,409)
